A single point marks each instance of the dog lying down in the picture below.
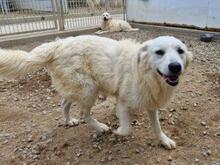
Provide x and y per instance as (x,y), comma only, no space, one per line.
(140,75)
(114,25)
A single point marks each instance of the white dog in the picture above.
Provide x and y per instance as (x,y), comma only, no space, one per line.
(114,25)
(141,76)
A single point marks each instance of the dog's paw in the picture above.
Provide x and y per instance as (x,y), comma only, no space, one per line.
(167,142)
(72,122)
(122,131)
(102,127)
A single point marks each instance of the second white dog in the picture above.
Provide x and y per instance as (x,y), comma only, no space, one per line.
(114,25)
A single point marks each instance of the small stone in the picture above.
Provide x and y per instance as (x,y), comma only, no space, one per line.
(16,99)
(203,123)
(209,152)
(109,158)
(43,137)
(195,104)
(102,160)
(204,132)
(172,110)
(100,148)
(30,139)
(196,160)
(170,158)
(137,151)
(5,142)
(95,146)
(79,154)
(217,134)
(94,136)
(184,108)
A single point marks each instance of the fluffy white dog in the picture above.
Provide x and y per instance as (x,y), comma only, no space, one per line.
(114,25)
(141,76)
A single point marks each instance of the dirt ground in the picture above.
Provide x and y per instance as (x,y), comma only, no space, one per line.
(32,130)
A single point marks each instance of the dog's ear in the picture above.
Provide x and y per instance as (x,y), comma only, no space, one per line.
(189,58)
(142,53)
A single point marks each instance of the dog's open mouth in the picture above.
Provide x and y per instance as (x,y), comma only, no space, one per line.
(172,80)
(105,19)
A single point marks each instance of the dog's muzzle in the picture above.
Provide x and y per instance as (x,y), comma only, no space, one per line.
(172,80)
(105,19)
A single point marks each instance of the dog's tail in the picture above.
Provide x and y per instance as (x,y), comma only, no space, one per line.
(16,62)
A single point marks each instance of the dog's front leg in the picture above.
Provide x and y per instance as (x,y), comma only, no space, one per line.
(101,32)
(124,119)
(166,141)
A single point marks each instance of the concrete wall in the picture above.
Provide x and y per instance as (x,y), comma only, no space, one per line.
(199,13)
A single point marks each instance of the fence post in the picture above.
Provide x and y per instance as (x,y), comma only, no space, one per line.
(124,9)
(107,5)
(59,8)
(54,8)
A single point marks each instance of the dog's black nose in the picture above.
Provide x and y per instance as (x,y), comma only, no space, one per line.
(174,67)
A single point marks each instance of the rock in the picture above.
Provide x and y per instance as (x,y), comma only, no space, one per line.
(203,123)
(208,152)
(16,99)
(78,154)
(172,109)
(204,132)
(137,151)
(30,139)
(43,137)
(94,136)
(110,158)
(170,158)
(196,160)
(217,134)
(5,142)
(103,160)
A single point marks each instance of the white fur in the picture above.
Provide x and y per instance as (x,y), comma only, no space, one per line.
(83,66)
(114,25)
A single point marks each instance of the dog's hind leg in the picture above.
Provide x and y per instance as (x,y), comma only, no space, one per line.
(166,141)
(124,119)
(66,108)
(98,126)
(131,30)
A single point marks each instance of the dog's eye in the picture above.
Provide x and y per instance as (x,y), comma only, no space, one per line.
(180,51)
(160,52)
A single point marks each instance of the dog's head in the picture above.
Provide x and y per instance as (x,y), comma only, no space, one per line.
(106,16)
(167,56)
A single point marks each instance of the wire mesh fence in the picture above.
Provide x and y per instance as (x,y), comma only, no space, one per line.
(20,16)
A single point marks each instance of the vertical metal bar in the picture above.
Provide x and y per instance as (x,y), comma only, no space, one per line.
(54,8)
(60,14)
(124,9)
(106,5)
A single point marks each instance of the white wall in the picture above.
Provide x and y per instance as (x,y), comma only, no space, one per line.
(200,13)
(38,5)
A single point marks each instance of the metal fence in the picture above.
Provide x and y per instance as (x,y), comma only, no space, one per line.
(21,16)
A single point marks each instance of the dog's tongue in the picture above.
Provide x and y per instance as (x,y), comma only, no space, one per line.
(171,78)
